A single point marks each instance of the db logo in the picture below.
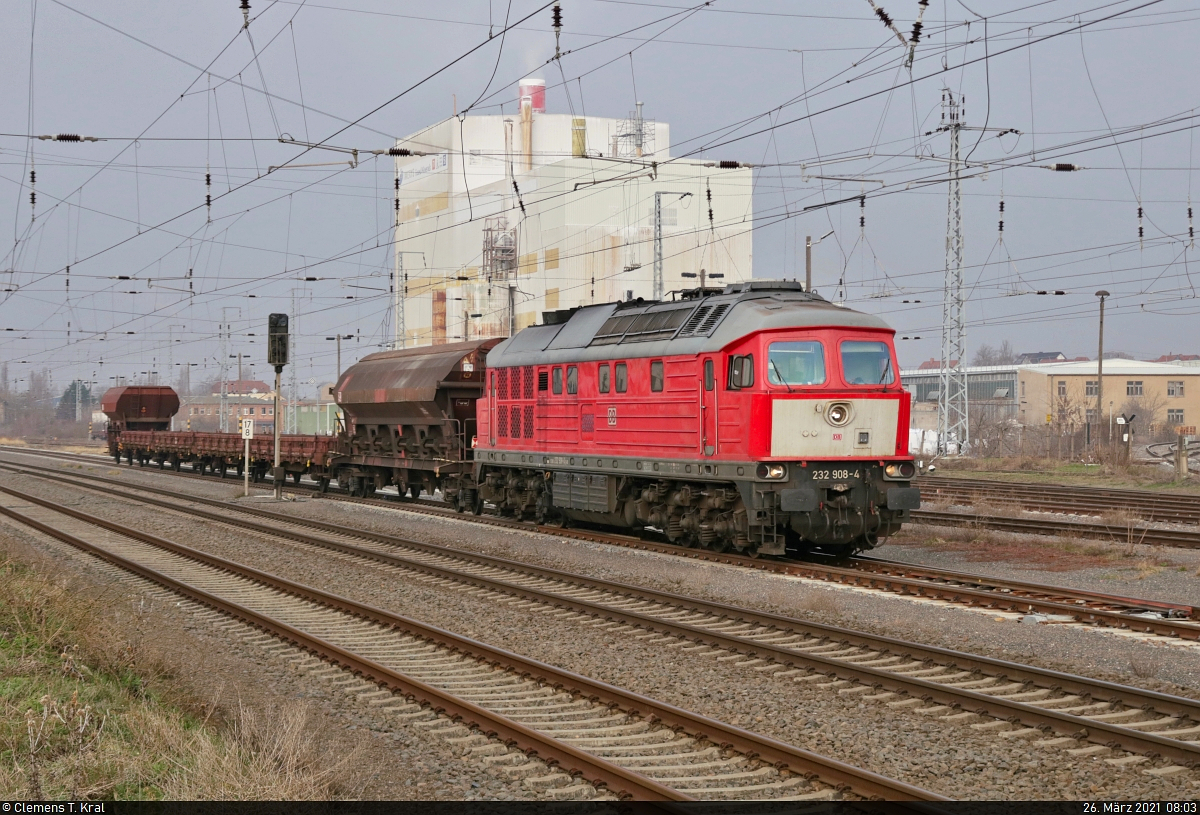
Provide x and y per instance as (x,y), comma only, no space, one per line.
(837,436)
(612,417)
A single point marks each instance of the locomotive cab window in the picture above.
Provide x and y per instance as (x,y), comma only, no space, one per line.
(572,380)
(622,377)
(741,372)
(800,362)
(557,380)
(867,362)
(602,378)
(656,376)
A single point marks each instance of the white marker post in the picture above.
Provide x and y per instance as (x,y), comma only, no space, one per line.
(247,434)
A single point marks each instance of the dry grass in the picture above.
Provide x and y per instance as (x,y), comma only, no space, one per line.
(1054,554)
(91,710)
(1121,517)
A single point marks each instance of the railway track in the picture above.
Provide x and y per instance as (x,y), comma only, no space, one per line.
(1138,504)
(619,741)
(1174,620)
(1027,702)
(1057,498)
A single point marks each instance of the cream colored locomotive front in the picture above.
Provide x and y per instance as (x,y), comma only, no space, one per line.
(834,428)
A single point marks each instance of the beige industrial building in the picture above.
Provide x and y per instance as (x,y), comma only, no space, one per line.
(506,216)
(1164,395)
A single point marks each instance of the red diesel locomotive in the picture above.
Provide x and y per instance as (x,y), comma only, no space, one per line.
(759,418)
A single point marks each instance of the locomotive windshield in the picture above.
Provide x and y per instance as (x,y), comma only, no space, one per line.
(796,363)
(867,363)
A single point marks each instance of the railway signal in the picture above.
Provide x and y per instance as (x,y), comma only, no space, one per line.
(277,355)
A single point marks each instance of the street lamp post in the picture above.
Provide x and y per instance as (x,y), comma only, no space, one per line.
(809,243)
(1103,295)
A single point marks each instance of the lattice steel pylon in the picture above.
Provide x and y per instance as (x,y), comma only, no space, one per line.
(953,428)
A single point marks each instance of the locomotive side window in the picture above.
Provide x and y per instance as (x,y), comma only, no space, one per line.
(602,378)
(558,381)
(741,372)
(796,363)
(572,380)
(867,363)
(708,375)
(656,375)
(622,377)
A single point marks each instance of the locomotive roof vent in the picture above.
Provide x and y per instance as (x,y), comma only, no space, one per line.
(558,317)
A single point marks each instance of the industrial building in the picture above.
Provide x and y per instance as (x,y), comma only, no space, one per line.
(1166,395)
(502,217)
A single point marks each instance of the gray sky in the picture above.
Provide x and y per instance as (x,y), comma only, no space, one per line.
(778,84)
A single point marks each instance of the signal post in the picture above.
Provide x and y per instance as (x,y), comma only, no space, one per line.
(247,434)
(277,355)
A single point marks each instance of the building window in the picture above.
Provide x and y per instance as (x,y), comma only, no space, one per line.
(1022,388)
(1062,388)
(656,375)
(1174,387)
(1091,388)
(572,380)
(557,381)
(622,377)
(1133,387)
(1175,416)
(602,378)
(1091,415)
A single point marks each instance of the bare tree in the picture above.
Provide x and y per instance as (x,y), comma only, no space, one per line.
(1150,409)
(988,355)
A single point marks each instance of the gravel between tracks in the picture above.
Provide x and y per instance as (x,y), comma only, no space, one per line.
(388,762)
(952,759)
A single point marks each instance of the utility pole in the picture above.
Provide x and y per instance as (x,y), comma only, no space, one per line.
(952,396)
(657,288)
(399,302)
(1103,295)
(952,399)
(225,336)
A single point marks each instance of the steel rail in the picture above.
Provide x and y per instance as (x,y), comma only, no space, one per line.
(1185,539)
(594,769)
(981,703)
(985,592)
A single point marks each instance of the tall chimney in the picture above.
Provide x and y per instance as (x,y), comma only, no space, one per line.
(527,132)
(532,92)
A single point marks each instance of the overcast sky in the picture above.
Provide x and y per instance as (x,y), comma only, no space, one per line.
(785,85)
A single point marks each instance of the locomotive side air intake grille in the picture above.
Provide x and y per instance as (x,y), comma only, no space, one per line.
(711,322)
(527,380)
(515,421)
(502,422)
(529,421)
(543,380)
(689,328)
(502,385)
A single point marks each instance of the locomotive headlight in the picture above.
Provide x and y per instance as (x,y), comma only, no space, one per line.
(839,414)
(772,471)
(900,470)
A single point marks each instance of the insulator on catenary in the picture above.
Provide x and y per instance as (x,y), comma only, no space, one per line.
(729,165)
(33,176)
(1002,226)
(557,16)
(32,198)
(208,179)
(399,151)
(883,15)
